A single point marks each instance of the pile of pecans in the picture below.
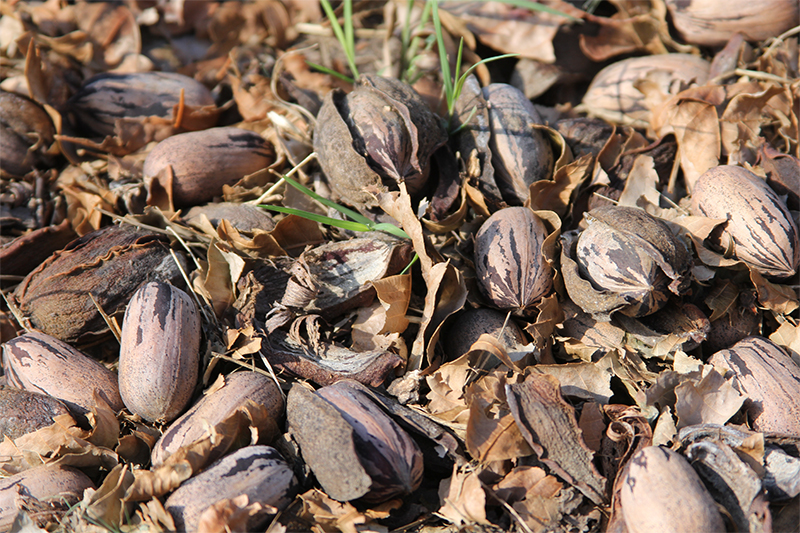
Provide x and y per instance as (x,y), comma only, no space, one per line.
(590,320)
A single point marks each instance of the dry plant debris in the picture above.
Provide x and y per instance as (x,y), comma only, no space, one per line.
(557,291)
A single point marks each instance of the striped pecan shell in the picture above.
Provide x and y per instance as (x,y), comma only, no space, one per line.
(759,229)
(662,492)
(202,162)
(511,268)
(107,97)
(771,380)
(521,153)
(41,363)
(159,356)
(257,471)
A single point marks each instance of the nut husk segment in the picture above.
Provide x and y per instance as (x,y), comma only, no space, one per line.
(354,449)
(106,266)
(44,364)
(380,133)
(159,352)
(771,380)
(661,492)
(759,225)
(509,263)
(257,471)
(521,154)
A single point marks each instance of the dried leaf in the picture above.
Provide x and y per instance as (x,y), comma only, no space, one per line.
(463,499)
(492,434)
(706,399)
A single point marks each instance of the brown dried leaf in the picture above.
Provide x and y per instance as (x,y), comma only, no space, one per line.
(781,299)
(555,194)
(63,443)
(463,499)
(695,123)
(636,27)
(548,424)
(447,384)
(587,381)
(706,399)
(503,28)
(229,515)
(492,434)
(330,515)
(788,337)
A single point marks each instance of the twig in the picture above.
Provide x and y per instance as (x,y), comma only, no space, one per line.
(281,181)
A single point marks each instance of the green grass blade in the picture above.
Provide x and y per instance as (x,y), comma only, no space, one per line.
(339,33)
(358,217)
(463,78)
(350,42)
(445,64)
(322,219)
(391,229)
(330,71)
